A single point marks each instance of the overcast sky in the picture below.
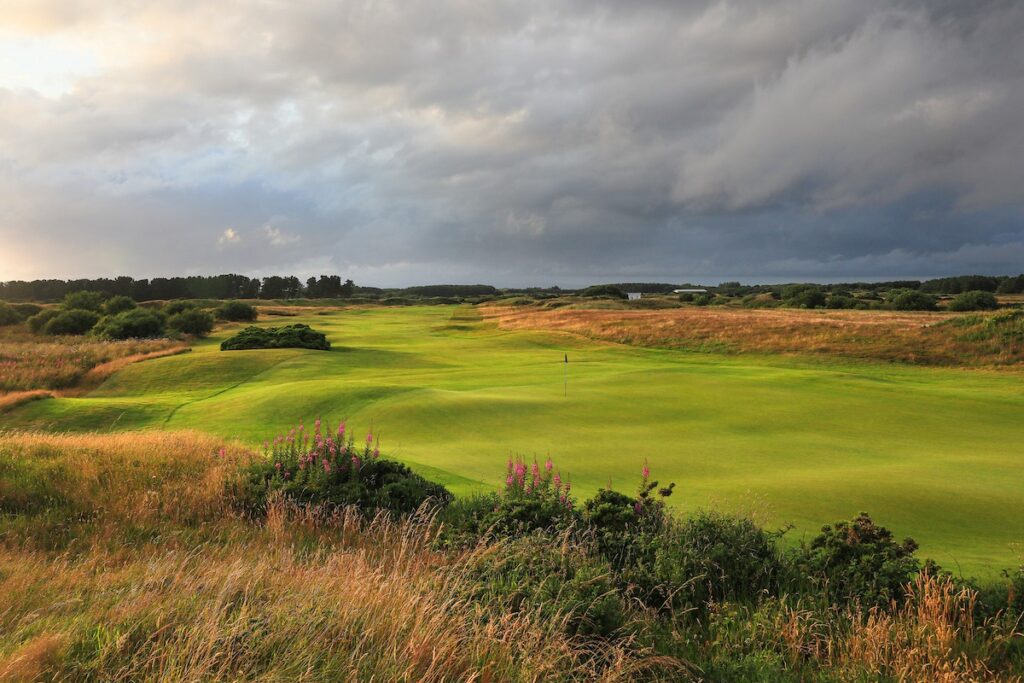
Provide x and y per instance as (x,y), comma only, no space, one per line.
(522,142)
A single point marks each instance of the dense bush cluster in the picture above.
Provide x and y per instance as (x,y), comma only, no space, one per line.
(236,311)
(288,337)
(326,467)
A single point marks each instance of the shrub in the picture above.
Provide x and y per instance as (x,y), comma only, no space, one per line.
(37,322)
(118,304)
(137,323)
(559,582)
(191,321)
(8,314)
(803,296)
(911,300)
(236,310)
(27,310)
(702,299)
(533,499)
(85,301)
(288,337)
(686,297)
(75,321)
(178,306)
(976,300)
(604,290)
(712,558)
(326,467)
(859,561)
(841,301)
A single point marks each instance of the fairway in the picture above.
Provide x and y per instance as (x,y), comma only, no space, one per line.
(935,454)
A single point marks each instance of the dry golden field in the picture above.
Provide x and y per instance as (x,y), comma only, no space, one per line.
(910,337)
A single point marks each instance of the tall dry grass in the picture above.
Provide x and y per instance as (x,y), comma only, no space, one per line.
(911,337)
(161,581)
(30,362)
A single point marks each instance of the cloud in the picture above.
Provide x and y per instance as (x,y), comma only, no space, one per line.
(229,236)
(515,141)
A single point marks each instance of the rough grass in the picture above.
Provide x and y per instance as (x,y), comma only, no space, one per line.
(919,338)
(31,362)
(120,560)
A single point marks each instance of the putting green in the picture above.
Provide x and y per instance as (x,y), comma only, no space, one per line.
(935,454)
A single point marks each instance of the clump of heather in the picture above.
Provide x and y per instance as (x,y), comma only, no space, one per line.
(535,497)
(324,465)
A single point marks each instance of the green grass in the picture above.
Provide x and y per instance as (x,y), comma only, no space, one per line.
(932,453)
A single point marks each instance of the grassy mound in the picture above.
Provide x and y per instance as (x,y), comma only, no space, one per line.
(288,337)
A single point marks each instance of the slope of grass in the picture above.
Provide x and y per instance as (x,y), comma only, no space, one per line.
(933,453)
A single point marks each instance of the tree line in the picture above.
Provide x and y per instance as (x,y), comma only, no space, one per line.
(227,286)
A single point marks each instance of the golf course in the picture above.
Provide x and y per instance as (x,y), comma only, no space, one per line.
(933,453)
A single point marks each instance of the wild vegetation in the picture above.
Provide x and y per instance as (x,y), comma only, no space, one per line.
(793,440)
(28,362)
(919,338)
(296,336)
(128,557)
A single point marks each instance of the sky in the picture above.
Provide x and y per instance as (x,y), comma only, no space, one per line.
(519,142)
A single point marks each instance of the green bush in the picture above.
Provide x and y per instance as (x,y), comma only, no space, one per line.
(288,337)
(137,323)
(236,311)
(191,321)
(840,301)
(859,561)
(976,300)
(75,321)
(803,296)
(84,301)
(686,297)
(604,290)
(703,299)
(178,306)
(712,558)
(328,468)
(8,314)
(559,582)
(37,322)
(27,310)
(118,304)
(911,300)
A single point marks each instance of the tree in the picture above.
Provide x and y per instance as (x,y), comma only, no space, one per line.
(117,304)
(911,300)
(84,301)
(76,321)
(137,323)
(976,300)
(191,321)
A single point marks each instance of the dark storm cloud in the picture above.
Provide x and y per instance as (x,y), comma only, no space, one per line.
(520,142)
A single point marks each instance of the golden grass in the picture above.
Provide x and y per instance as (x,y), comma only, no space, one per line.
(930,638)
(910,337)
(30,362)
(163,582)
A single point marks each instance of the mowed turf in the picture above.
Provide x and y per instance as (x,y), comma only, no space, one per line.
(936,454)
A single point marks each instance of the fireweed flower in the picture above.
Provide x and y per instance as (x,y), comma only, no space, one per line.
(376,452)
(369,438)
(549,465)
(509,481)
(327,466)
(646,472)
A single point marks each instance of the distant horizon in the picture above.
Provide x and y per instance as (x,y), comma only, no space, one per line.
(581,284)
